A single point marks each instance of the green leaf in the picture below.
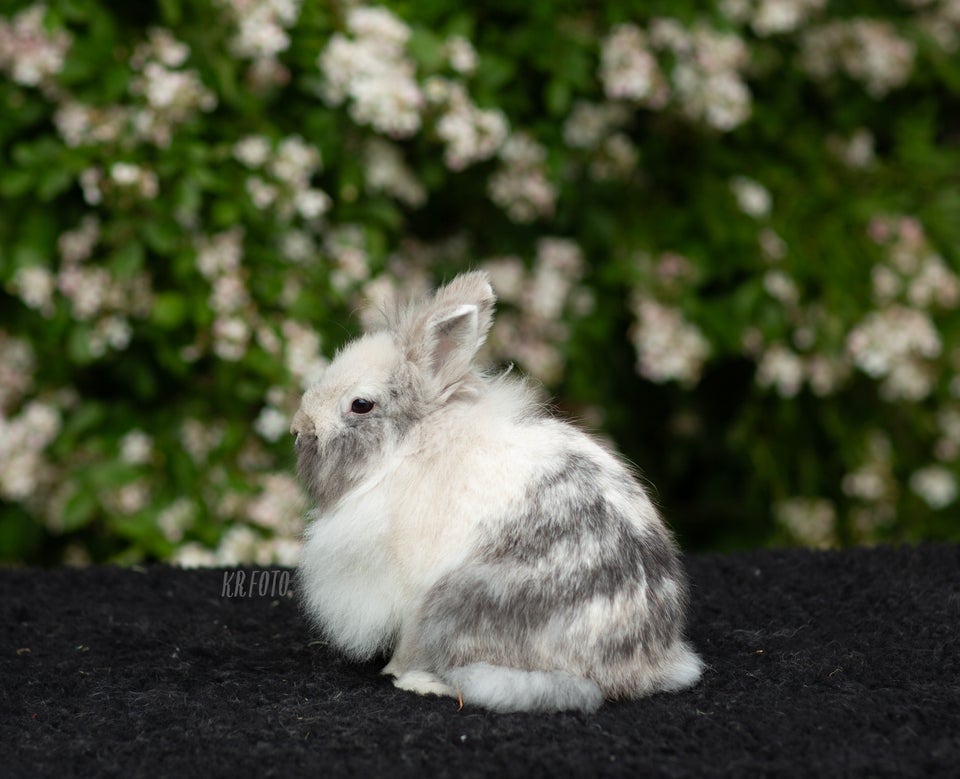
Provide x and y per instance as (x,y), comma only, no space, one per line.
(161,237)
(19,535)
(226,213)
(16,182)
(78,345)
(171,11)
(558,97)
(79,510)
(169,310)
(129,258)
(109,474)
(53,182)
(426,48)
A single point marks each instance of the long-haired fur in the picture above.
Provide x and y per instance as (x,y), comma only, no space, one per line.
(492,550)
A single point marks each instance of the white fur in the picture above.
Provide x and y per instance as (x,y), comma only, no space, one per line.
(423,500)
(681,669)
(512,689)
(367,564)
(347,578)
(424,683)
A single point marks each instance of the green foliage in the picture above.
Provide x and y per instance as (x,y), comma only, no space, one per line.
(727,238)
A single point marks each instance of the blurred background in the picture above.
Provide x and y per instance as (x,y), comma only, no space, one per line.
(724,235)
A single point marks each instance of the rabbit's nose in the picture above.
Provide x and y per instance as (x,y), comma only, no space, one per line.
(301,425)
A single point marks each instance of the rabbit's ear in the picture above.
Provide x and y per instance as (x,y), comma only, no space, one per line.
(468,289)
(453,340)
(451,328)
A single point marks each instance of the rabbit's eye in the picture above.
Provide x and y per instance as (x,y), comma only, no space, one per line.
(361,406)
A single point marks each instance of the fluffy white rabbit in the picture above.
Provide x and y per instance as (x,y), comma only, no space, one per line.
(497,553)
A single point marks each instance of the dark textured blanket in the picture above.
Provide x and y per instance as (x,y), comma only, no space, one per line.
(841,663)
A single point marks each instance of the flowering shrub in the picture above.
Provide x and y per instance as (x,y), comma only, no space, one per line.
(725,235)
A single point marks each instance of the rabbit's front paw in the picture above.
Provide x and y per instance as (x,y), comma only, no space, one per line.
(424,683)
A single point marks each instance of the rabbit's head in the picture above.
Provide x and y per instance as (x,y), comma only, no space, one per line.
(388,380)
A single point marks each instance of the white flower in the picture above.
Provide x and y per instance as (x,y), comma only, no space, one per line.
(167,49)
(773,17)
(112,331)
(90,181)
(295,162)
(280,504)
(521,187)
(781,368)
(297,246)
(238,546)
(470,134)
(86,288)
(312,203)
(559,265)
(35,286)
(252,150)
(380,25)
(589,124)
(668,347)
(890,336)
(507,275)
(200,438)
(261,193)
(866,483)
(285,551)
(812,521)
(73,122)
(781,286)
(385,171)
(461,54)
(886,284)
(909,379)
(704,82)
(229,294)
(303,357)
(628,70)
(28,52)
(371,71)
(17,365)
(271,424)
(176,518)
(934,282)
(859,151)
(936,485)
(867,50)
(261,27)
(723,100)
(23,438)
(220,254)
(136,448)
(526,195)
(125,173)
(826,373)
(194,555)
(774,248)
(752,197)
(259,36)
(231,338)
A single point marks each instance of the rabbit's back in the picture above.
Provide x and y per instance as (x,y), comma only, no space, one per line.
(578,575)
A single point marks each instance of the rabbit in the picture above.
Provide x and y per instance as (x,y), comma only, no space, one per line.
(497,554)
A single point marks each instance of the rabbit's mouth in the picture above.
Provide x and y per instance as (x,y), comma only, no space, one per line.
(306,445)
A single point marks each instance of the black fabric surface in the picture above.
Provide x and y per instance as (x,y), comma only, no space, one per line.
(840,663)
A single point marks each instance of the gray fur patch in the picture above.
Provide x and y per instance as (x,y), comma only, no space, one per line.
(331,466)
(331,469)
(571,547)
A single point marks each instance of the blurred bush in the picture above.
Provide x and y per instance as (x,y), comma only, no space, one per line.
(725,236)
